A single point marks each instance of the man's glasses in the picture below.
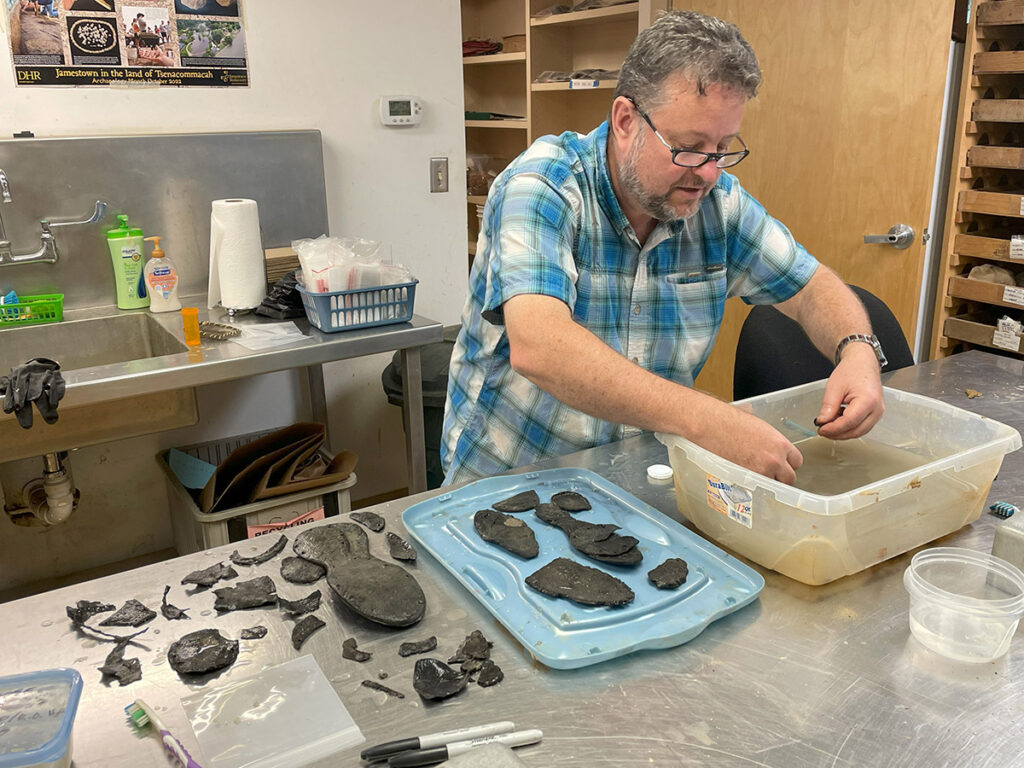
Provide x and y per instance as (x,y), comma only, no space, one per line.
(692,158)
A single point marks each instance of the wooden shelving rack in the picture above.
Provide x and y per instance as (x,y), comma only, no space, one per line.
(503,82)
(985,219)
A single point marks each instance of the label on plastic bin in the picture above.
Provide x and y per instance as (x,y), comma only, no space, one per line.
(252,531)
(732,501)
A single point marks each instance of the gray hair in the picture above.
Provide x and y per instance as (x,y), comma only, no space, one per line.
(711,51)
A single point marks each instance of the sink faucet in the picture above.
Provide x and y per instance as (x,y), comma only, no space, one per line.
(5,197)
(48,253)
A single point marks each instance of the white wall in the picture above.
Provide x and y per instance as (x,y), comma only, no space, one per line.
(311,65)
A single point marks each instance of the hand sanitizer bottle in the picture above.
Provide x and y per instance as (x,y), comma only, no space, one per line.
(162,280)
(125,244)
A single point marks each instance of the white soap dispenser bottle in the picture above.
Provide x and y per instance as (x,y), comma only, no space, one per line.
(162,280)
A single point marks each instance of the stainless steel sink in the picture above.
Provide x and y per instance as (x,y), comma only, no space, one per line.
(88,343)
(107,349)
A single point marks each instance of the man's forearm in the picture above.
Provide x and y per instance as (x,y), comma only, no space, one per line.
(827,310)
(572,364)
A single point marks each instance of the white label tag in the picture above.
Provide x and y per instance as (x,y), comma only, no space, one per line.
(732,501)
(1004,340)
(574,84)
(1017,247)
(1013,295)
(1022,205)
(1009,325)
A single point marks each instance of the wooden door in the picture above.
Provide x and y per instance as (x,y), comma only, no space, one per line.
(843,137)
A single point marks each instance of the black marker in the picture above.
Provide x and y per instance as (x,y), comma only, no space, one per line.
(440,754)
(435,739)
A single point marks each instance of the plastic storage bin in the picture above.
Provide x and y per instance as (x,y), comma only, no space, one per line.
(37,712)
(964,605)
(195,530)
(359,307)
(817,539)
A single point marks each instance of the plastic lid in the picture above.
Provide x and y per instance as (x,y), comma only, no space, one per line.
(659,472)
(124,230)
(38,713)
(158,252)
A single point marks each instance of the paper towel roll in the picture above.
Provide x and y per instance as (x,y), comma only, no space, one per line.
(238,277)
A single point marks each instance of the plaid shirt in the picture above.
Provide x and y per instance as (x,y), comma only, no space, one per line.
(553,226)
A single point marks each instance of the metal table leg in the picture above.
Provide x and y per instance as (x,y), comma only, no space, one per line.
(318,410)
(412,405)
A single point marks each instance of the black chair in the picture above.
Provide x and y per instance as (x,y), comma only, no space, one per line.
(774,353)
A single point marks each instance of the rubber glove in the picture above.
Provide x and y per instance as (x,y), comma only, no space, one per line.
(38,381)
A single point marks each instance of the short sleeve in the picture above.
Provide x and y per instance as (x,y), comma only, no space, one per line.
(766,265)
(531,226)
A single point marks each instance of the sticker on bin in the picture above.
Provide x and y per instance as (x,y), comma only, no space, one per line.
(732,501)
(252,531)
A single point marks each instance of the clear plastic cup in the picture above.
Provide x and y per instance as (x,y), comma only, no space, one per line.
(964,605)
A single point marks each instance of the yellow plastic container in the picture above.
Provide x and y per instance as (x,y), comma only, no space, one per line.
(817,539)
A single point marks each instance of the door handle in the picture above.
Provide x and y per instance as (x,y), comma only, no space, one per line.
(899,237)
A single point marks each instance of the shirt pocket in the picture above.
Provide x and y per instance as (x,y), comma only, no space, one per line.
(697,297)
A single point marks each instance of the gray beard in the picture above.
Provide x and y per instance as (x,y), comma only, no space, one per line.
(655,206)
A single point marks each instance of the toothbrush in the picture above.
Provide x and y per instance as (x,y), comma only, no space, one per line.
(141,715)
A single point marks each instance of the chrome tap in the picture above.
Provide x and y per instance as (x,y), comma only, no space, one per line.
(48,253)
(5,197)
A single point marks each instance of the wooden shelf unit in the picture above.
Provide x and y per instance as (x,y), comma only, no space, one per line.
(495,58)
(985,211)
(503,82)
(587,18)
(601,84)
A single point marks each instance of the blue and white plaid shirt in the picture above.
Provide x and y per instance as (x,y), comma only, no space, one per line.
(553,226)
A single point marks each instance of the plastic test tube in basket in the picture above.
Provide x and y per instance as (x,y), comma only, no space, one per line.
(359,307)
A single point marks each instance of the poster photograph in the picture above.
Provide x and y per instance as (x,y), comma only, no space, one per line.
(35,33)
(114,43)
(207,7)
(203,43)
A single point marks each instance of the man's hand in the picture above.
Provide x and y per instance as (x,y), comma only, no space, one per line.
(855,384)
(157,55)
(750,442)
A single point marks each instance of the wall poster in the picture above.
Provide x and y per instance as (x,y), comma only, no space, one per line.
(117,42)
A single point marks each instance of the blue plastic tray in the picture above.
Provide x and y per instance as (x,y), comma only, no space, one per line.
(559,632)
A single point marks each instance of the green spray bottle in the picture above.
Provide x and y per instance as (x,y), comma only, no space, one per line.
(126,254)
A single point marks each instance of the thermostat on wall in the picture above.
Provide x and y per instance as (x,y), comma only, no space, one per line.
(400,110)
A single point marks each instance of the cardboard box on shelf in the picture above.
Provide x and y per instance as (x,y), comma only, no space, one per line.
(513,44)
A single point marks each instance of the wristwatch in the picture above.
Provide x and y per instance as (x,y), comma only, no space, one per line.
(872,340)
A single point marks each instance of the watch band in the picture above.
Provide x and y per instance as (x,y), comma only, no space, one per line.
(872,340)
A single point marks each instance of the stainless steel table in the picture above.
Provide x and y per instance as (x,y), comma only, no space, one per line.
(806,676)
(221,361)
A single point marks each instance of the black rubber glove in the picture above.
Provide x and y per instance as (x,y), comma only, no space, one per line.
(38,381)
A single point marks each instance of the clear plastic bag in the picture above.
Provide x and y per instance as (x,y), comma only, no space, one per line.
(331,264)
(285,716)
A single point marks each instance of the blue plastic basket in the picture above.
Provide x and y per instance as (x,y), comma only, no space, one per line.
(359,307)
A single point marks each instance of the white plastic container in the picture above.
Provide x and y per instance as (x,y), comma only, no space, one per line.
(37,712)
(964,605)
(817,539)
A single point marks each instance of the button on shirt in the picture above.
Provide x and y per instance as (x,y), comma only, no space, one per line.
(553,226)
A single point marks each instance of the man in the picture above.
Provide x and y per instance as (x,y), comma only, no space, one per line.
(602,270)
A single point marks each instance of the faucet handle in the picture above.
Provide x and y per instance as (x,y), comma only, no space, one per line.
(97,215)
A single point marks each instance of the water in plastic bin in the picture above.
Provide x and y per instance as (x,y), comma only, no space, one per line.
(832,467)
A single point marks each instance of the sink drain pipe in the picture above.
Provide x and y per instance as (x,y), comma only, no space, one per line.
(53,497)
